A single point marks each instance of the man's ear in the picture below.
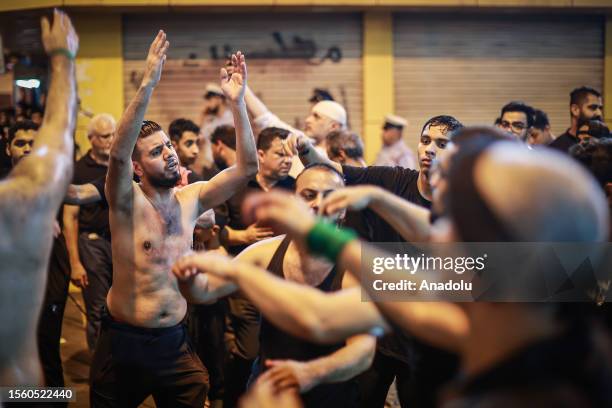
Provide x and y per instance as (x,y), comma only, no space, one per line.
(215,229)
(260,155)
(137,169)
(7,149)
(342,157)
(174,144)
(575,110)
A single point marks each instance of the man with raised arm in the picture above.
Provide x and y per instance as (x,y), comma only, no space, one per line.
(143,347)
(29,199)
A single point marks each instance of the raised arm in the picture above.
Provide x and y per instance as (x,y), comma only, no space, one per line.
(227,183)
(79,194)
(411,221)
(120,172)
(300,310)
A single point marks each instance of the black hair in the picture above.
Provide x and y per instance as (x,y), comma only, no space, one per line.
(267,136)
(447,122)
(518,106)
(147,128)
(321,166)
(179,126)
(540,119)
(596,156)
(579,95)
(225,134)
(349,142)
(23,125)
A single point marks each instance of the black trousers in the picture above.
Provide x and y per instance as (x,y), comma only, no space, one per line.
(95,254)
(130,363)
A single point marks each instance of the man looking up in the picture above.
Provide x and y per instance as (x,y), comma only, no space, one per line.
(86,228)
(585,104)
(143,346)
(29,199)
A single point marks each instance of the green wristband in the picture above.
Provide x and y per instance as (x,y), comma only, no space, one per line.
(327,240)
(62,51)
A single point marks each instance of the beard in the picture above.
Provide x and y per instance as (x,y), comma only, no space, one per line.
(585,118)
(165,182)
(220,162)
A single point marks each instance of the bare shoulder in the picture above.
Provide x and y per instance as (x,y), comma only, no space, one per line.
(260,253)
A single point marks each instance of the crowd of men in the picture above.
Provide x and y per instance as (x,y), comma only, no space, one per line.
(268,311)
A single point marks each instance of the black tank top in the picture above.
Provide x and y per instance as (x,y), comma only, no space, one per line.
(276,344)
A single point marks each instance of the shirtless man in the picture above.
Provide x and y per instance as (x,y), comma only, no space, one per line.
(143,348)
(29,199)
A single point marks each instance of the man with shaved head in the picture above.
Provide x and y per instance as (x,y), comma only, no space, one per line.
(512,353)
(86,227)
(29,199)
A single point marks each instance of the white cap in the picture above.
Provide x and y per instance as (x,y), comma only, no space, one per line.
(332,110)
(213,88)
(395,120)
(206,219)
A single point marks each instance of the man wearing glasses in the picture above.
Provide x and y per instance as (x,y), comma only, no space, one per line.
(86,227)
(517,118)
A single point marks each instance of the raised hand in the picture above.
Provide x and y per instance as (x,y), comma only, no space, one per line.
(282,211)
(296,144)
(354,198)
(60,35)
(234,83)
(290,373)
(203,262)
(155,60)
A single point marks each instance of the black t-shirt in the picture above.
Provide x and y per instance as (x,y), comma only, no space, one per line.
(399,181)
(92,217)
(564,142)
(234,205)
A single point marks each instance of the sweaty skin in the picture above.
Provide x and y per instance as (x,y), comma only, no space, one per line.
(29,200)
(152,224)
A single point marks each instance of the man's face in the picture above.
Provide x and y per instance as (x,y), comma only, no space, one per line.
(21,145)
(539,136)
(592,108)
(275,162)
(318,126)
(101,138)
(187,148)
(212,104)
(158,161)
(515,123)
(433,141)
(391,135)
(438,179)
(314,185)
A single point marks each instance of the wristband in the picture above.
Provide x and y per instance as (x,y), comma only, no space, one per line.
(327,240)
(62,51)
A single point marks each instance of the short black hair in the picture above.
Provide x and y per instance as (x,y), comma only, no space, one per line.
(596,156)
(179,126)
(597,128)
(147,128)
(267,136)
(225,134)
(349,142)
(321,166)
(23,125)
(579,95)
(518,106)
(447,122)
(540,119)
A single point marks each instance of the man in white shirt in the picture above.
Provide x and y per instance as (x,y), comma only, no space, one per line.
(395,152)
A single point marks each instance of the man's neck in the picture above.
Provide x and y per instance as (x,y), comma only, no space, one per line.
(159,196)
(98,159)
(424,186)
(266,183)
(502,330)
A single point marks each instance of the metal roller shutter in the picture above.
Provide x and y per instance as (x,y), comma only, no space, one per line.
(470,67)
(285,84)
